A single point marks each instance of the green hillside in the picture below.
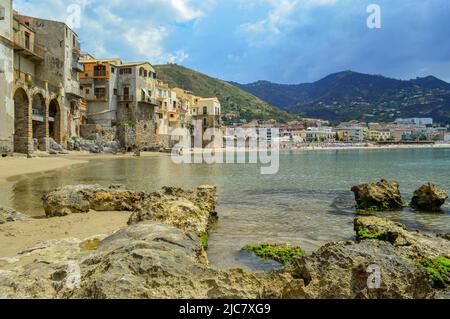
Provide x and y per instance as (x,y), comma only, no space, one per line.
(236,103)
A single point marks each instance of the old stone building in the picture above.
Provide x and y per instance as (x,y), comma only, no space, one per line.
(30,105)
(60,68)
(118,91)
(6,77)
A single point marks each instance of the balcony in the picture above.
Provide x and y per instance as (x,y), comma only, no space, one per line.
(30,81)
(77,66)
(37,115)
(97,98)
(99,74)
(27,49)
(125,98)
(151,101)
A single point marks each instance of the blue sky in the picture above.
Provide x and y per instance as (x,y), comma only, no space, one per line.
(285,41)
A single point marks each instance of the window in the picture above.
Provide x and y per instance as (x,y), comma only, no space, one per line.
(100,93)
(2,13)
(126,71)
(116,92)
(205,122)
(145,73)
(205,110)
(113,70)
(87,91)
(74,41)
(99,70)
(27,41)
(126,92)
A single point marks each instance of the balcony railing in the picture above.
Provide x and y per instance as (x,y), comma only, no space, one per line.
(31,81)
(29,49)
(98,97)
(126,98)
(77,66)
(99,73)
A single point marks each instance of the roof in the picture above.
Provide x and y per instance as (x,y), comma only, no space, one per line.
(48,20)
(87,61)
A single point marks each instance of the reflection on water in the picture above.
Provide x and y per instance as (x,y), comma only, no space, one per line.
(308,202)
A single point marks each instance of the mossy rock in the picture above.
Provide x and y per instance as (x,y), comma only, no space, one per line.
(438,270)
(363,233)
(204,240)
(283,254)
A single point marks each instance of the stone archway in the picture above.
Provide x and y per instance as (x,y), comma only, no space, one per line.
(40,121)
(23,142)
(55,120)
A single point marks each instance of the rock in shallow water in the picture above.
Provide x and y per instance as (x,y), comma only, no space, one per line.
(429,197)
(82,198)
(159,255)
(379,196)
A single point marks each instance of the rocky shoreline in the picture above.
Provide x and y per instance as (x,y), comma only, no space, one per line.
(161,254)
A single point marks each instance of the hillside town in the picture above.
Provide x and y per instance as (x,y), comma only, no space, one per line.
(55,97)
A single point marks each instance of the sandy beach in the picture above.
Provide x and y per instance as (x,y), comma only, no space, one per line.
(18,236)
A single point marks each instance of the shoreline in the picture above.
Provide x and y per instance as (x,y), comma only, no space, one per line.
(16,168)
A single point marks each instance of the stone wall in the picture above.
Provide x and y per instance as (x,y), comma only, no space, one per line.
(96,131)
(142,135)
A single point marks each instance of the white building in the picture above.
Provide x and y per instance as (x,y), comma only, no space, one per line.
(415,121)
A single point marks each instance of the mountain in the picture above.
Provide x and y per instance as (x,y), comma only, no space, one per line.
(236,103)
(350,95)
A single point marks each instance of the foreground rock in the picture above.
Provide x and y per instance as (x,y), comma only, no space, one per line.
(379,196)
(186,210)
(82,198)
(10,215)
(429,197)
(160,255)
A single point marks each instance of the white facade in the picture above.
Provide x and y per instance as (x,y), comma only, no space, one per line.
(415,121)
(6,77)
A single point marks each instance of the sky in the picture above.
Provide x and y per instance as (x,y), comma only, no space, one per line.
(282,41)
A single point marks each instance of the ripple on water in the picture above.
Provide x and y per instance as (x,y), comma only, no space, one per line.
(307,203)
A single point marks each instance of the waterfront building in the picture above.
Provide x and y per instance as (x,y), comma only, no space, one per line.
(379,135)
(58,50)
(415,121)
(117,91)
(6,77)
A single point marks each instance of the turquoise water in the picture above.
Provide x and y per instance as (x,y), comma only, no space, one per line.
(308,202)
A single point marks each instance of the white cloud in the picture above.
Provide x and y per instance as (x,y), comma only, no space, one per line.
(282,16)
(109,26)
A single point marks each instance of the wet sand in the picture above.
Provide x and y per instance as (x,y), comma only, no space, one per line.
(18,236)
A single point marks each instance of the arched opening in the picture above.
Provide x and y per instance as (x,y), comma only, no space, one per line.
(39,123)
(22,117)
(55,121)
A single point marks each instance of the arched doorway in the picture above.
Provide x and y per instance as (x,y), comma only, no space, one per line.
(55,121)
(22,123)
(39,123)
